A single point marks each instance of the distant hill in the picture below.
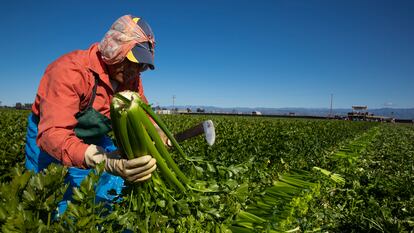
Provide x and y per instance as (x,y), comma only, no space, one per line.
(399,113)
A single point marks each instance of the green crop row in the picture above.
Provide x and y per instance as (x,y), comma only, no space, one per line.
(378,194)
(13,125)
(252,156)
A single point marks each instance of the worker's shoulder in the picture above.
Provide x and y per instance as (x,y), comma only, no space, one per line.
(75,60)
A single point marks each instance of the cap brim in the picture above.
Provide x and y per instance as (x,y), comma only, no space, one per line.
(141,54)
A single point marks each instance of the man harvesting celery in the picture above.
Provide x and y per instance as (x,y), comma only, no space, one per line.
(70,117)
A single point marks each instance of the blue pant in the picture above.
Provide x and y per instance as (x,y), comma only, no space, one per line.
(37,160)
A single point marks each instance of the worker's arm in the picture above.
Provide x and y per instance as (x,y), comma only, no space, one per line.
(61,91)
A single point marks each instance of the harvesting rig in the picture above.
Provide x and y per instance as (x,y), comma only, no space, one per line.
(360,113)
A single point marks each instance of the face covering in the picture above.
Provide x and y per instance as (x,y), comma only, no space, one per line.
(123,35)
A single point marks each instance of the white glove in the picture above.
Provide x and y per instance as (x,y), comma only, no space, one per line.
(134,170)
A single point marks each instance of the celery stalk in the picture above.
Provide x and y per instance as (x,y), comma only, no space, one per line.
(137,121)
(158,142)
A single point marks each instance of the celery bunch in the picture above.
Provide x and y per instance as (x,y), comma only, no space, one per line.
(136,136)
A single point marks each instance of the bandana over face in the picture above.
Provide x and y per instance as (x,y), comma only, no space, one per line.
(123,35)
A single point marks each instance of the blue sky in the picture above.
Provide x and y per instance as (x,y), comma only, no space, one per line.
(230,53)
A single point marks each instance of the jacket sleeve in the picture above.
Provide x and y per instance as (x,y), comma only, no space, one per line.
(65,86)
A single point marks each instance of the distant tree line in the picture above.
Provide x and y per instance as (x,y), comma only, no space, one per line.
(23,106)
(18,105)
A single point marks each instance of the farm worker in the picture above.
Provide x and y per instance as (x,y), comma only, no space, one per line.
(70,116)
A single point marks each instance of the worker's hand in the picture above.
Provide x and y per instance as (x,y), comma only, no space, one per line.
(134,170)
(163,137)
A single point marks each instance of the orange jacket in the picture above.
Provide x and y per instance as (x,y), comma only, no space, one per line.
(64,90)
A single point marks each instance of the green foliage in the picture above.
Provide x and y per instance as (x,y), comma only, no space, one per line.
(260,168)
(378,194)
(12,140)
(29,201)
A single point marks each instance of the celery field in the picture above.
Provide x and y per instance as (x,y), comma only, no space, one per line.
(269,175)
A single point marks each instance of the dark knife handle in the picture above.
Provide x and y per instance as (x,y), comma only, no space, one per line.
(189,133)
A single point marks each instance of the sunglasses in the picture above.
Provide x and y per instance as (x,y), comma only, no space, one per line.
(144,67)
